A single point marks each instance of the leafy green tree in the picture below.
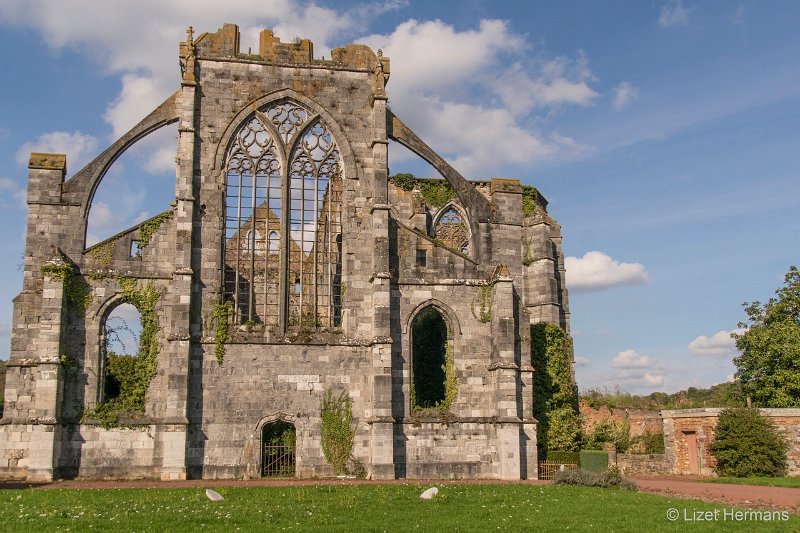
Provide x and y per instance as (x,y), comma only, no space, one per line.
(746,444)
(769,364)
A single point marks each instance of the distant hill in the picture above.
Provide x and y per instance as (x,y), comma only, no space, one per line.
(722,395)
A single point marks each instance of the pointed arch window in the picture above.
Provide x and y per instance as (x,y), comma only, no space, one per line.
(451,229)
(283,219)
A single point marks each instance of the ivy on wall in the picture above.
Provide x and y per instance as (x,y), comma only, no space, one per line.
(221,313)
(127,377)
(435,192)
(556,406)
(76,289)
(532,199)
(483,305)
(337,432)
(148,228)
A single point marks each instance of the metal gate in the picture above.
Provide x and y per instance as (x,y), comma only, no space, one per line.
(277,461)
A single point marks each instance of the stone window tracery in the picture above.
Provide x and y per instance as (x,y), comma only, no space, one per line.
(451,230)
(288,270)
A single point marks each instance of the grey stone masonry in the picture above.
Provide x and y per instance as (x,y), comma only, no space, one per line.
(289,264)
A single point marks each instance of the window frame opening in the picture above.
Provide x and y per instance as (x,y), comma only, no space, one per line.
(433,385)
(283,193)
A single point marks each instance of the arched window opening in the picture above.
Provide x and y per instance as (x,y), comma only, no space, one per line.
(274,243)
(451,230)
(309,220)
(278,442)
(139,184)
(121,334)
(430,361)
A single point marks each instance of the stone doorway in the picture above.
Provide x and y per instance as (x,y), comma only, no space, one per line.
(278,443)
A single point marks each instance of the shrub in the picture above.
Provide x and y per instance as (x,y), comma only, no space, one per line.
(746,444)
(560,456)
(609,478)
(609,431)
(649,443)
(594,460)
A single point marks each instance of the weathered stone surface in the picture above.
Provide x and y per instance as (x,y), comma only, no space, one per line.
(204,417)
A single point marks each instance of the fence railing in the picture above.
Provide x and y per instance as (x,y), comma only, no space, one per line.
(277,461)
(548,470)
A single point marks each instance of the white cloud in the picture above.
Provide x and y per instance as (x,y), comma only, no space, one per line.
(637,371)
(624,93)
(555,82)
(673,14)
(436,71)
(429,58)
(139,96)
(138,39)
(631,359)
(78,147)
(582,362)
(720,344)
(11,189)
(597,271)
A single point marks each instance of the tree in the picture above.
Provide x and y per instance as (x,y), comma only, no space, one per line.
(746,444)
(769,364)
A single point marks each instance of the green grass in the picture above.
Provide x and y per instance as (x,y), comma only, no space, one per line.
(793,481)
(471,507)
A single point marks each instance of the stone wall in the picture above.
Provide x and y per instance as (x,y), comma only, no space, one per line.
(643,464)
(680,424)
(641,420)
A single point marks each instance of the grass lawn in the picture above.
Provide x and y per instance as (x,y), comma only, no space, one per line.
(793,481)
(512,507)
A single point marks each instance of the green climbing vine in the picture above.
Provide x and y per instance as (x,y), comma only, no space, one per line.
(222,313)
(531,200)
(102,254)
(76,289)
(337,432)
(557,407)
(404,180)
(484,305)
(130,376)
(450,378)
(148,228)
(435,192)
(528,259)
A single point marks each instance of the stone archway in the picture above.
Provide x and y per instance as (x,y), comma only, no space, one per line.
(278,449)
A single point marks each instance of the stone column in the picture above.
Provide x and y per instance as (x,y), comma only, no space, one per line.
(382,433)
(48,376)
(175,359)
(506,369)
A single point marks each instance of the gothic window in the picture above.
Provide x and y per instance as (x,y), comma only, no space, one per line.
(283,178)
(274,243)
(429,338)
(451,230)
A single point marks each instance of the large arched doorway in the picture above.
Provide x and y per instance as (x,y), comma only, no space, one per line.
(430,361)
(278,443)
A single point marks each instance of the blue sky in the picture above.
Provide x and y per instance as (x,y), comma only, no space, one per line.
(664,134)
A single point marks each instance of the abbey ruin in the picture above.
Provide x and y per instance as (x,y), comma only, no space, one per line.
(289,265)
